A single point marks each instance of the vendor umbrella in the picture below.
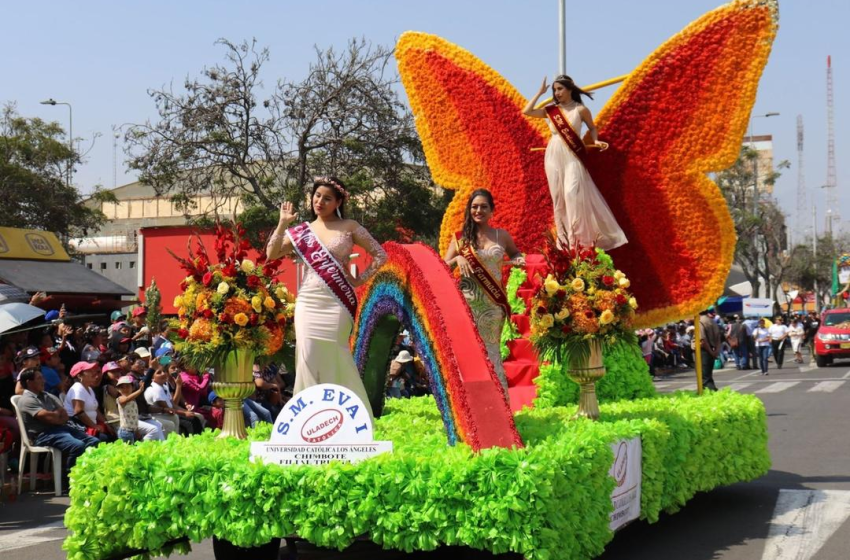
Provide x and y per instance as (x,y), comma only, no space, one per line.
(15,314)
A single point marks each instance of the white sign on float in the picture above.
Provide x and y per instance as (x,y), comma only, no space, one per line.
(322,423)
(626,472)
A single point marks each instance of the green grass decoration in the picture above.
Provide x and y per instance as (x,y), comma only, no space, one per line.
(509,331)
(626,377)
(549,500)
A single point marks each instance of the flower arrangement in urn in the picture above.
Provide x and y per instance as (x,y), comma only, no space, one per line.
(229,314)
(582,306)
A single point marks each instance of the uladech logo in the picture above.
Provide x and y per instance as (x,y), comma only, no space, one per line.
(322,425)
(621,464)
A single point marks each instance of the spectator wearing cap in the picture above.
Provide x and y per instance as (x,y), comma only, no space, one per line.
(142,334)
(28,358)
(131,427)
(46,421)
(217,409)
(52,370)
(116,318)
(81,401)
(94,344)
(144,354)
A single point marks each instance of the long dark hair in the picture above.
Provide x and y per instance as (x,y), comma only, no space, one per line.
(575,91)
(470,228)
(338,189)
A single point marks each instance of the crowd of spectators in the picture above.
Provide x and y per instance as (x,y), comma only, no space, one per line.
(87,384)
(407,376)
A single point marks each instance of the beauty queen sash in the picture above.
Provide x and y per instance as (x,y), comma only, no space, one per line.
(317,257)
(490,285)
(570,136)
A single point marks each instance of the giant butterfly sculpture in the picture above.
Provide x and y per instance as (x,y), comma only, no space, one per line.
(678,116)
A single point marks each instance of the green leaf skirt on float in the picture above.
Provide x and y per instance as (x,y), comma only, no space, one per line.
(548,500)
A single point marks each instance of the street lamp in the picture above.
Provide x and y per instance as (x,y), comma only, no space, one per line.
(52,101)
(756,183)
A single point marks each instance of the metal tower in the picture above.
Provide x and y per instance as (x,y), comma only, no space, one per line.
(802,198)
(833,215)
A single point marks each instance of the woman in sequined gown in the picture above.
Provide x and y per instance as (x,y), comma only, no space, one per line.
(322,324)
(490,245)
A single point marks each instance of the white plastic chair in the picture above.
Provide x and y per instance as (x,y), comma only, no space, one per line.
(27,447)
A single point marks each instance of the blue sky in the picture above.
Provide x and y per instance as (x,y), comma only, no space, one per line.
(102,56)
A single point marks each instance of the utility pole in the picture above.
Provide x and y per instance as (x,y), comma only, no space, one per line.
(562,36)
(815,253)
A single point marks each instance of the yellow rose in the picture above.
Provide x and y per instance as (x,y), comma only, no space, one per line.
(633,303)
(577,285)
(607,317)
(625,282)
(178,301)
(257,303)
(240,319)
(281,293)
(619,274)
(247,266)
(551,285)
(223,288)
(269,303)
(189,280)
(591,290)
(562,314)
(547,320)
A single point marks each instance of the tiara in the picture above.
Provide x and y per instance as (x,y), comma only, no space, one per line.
(339,188)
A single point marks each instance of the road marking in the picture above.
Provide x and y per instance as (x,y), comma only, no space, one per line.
(738,386)
(30,537)
(661,385)
(846,375)
(746,376)
(778,387)
(803,520)
(826,386)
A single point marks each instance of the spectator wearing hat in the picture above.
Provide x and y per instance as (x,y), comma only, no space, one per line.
(401,375)
(217,410)
(142,334)
(46,421)
(81,401)
(143,354)
(131,427)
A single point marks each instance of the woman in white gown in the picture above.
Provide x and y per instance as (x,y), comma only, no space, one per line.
(487,245)
(323,321)
(581,214)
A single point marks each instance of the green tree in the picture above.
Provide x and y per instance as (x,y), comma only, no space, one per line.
(813,272)
(223,135)
(34,156)
(761,250)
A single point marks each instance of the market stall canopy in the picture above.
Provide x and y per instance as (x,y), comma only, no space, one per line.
(736,283)
(31,244)
(57,278)
(11,294)
(16,314)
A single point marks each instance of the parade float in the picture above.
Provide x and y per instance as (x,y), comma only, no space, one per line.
(475,466)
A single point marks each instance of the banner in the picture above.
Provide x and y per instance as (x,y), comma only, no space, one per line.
(757,307)
(626,471)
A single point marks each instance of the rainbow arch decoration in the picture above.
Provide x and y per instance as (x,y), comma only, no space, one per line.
(415,288)
(666,131)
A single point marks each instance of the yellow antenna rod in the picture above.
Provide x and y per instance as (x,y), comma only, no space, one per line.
(592,87)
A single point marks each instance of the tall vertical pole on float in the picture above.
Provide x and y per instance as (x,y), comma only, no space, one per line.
(562,36)
(698,353)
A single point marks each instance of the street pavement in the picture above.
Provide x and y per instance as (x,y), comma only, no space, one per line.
(798,511)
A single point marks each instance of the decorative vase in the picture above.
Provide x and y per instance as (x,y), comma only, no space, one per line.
(234,381)
(586,370)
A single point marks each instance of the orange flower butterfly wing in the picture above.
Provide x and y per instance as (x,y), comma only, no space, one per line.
(681,113)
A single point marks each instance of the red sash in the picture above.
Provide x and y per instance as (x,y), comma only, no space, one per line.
(317,257)
(490,285)
(565,129)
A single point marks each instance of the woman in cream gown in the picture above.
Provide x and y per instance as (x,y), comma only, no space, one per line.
(581,214)
(322,325)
